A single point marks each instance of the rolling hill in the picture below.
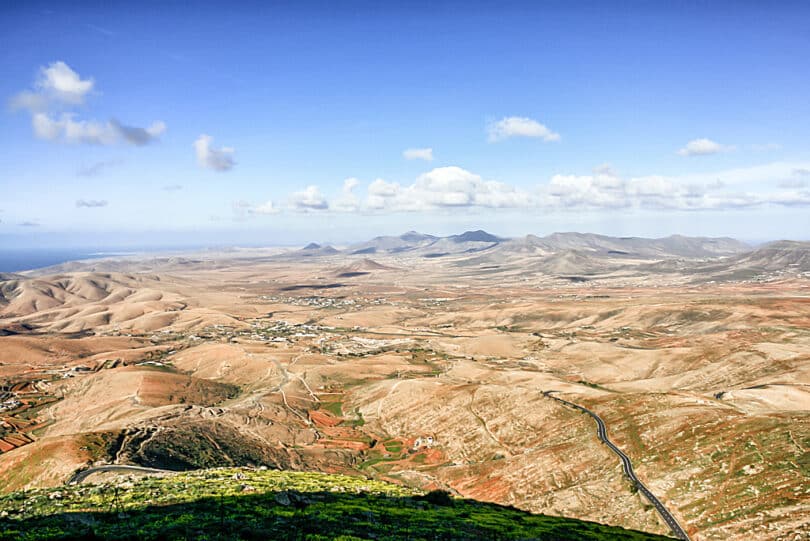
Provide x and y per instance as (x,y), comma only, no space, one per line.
(248,504)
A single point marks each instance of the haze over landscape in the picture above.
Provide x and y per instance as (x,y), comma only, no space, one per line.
(405,271)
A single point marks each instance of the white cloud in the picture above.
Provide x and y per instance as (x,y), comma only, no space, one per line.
(382,194)
(454,188)
(383,188)
(350,184)
(444,187)
(602,189)
(63,84)
(91,203)
(704,147)
(173,187)
(265,208)
(56,90)
(243,209)
(218,159)
(28,100)
(769,172)
(309,199)
(68,130)
(688,192)
(800,178)
(418,154)
(608,191)
(55,85)
(515,126)
(348,201)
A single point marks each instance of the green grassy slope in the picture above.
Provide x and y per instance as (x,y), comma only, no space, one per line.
(252,504)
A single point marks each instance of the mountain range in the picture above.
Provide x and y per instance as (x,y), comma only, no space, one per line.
(558,254)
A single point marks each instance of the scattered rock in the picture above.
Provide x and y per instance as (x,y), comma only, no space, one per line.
(282,498)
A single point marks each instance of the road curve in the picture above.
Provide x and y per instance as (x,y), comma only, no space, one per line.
(80,476)
(601,432)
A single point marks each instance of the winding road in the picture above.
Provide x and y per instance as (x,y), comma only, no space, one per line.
(601,432)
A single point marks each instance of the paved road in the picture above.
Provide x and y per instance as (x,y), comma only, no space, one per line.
(78,477)
(601,431)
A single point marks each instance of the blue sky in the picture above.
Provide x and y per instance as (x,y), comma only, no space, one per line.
(276,123)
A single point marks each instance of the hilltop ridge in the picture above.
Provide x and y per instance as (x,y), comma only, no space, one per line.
(241,503)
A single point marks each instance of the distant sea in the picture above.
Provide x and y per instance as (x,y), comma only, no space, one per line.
(21,260)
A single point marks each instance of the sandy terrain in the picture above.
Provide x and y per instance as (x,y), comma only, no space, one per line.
(425,371)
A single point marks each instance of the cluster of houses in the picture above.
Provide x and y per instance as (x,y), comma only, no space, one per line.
(10,404)
(325,302)
(423,441)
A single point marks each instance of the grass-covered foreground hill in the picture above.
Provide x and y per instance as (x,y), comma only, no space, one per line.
(254,504)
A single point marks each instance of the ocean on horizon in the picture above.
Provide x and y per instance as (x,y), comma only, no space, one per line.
(23,260)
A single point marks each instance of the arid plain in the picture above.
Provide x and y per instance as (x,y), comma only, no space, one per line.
(424,360)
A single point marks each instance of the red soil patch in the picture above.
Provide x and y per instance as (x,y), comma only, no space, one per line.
(493,489)
(343,444)
(323,418)
(12,441)
(342,433)
(432,456)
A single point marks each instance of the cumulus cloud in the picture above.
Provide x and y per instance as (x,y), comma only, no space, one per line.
(347,201)
(350,184)
(704,147)
(91,203)
(218,159)
(444,187)
(515,126)
(418,154)
(66,129)
(447,188)
(56,90)
(55,84)
(454,188)
(309,199)
(720,190)
(62,83)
